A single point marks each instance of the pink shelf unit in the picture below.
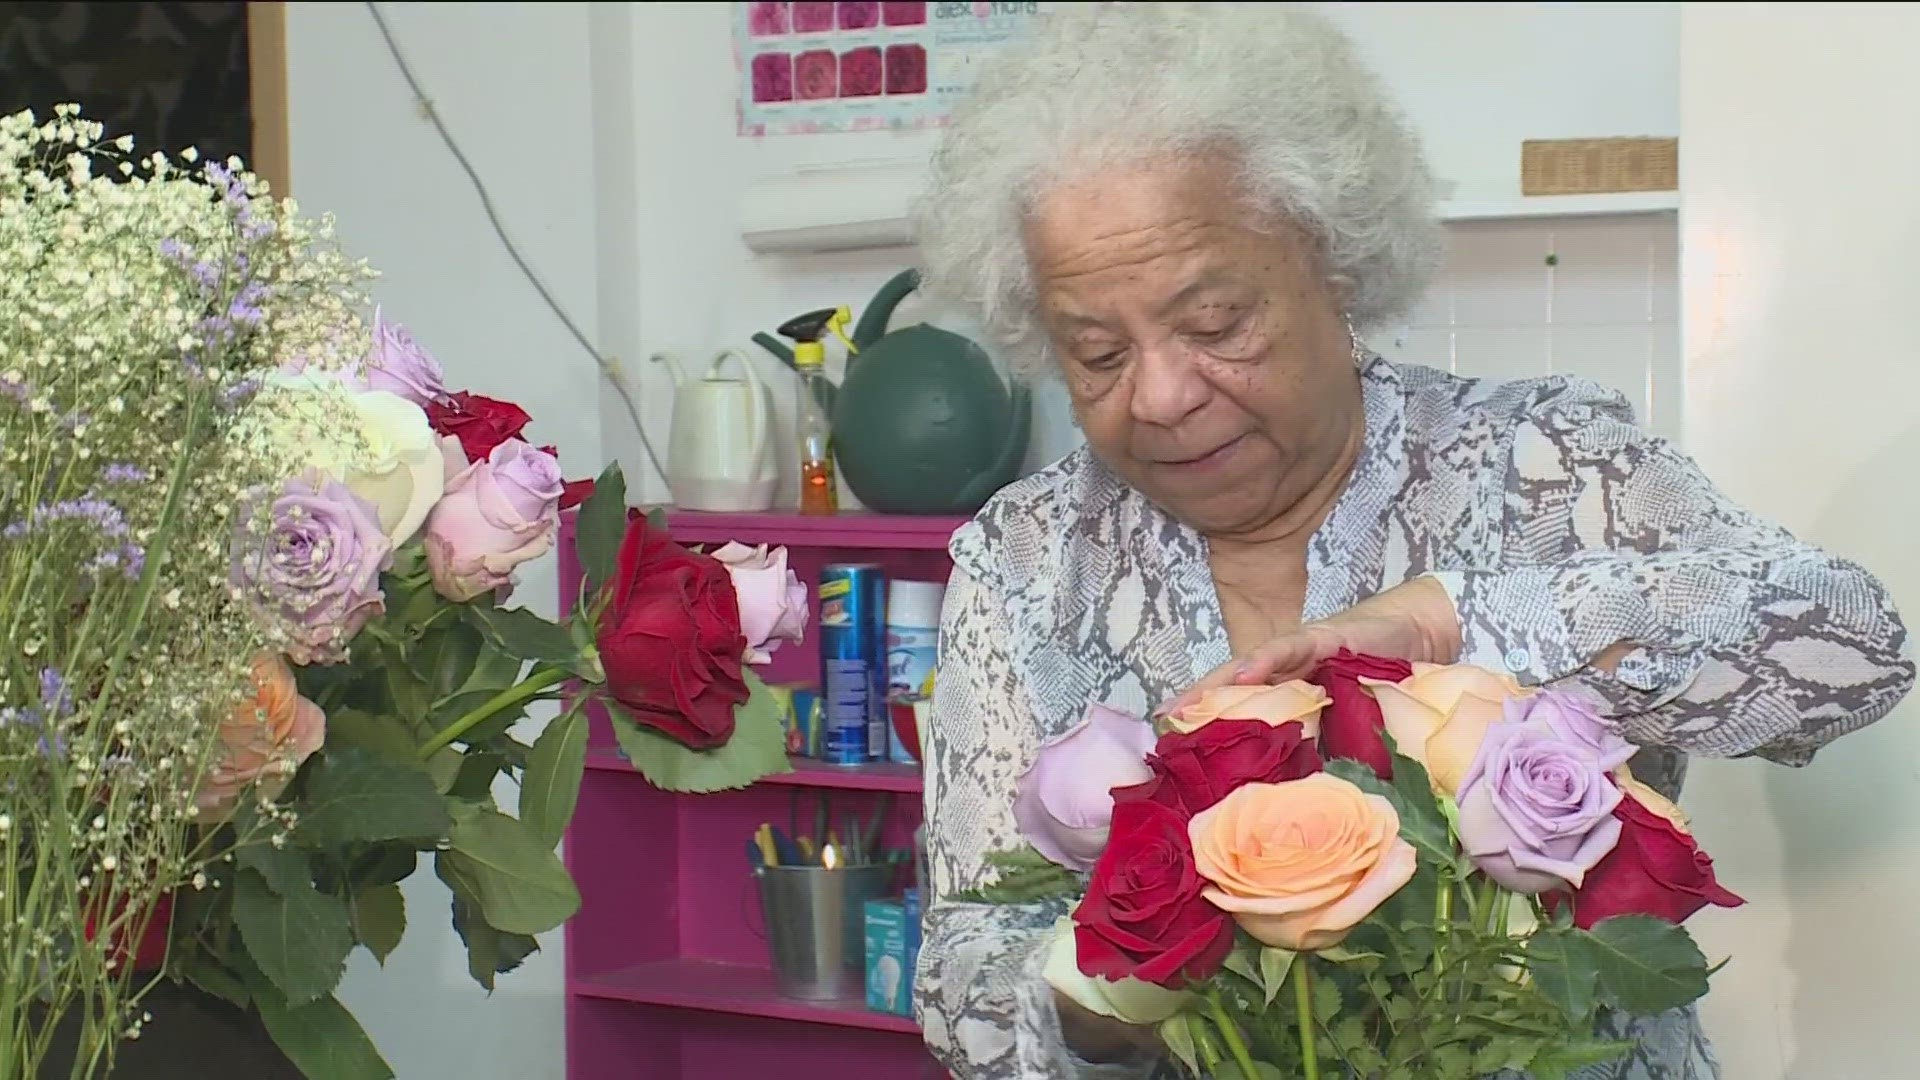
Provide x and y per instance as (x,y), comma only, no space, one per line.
(666,963)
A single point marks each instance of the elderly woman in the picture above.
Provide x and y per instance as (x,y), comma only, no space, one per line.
(1185,212)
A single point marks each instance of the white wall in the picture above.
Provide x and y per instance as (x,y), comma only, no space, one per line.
(1800,153)
(1607,311)
(511,81)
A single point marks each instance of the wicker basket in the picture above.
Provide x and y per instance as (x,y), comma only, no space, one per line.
(1597,166)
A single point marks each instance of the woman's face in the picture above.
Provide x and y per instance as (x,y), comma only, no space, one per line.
(1208,362)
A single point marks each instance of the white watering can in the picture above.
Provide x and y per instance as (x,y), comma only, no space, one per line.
(719,454)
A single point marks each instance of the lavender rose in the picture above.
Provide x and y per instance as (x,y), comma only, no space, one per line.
(495,515)
(314,570)
(397,364)
(1536,810)
(1573,717)
(1064,801)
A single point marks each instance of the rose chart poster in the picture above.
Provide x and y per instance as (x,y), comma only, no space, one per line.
(817,67)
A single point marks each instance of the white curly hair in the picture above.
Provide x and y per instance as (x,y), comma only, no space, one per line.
(1097,87)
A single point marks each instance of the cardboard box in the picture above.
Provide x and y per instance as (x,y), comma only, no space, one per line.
(893,948)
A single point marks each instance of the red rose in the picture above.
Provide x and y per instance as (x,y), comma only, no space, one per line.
(1143,915)
(1656,869)
(480,423)
(1351,724)
(670,639)
(150,953)
(1193,771)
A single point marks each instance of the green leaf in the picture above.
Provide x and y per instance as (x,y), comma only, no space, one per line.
(380,919)
(383,736)
(1179,1039)
(410,697)
(1274,965)
(207,973)
(1326,1000)
(602,524)
(384,864)
(489,951)
(551,785)
(1563,971)
(1339,954)
(299,939)
(453,707)
(757,749)
(1023,876)
(1646,966)
(1421,823)
(323,1040)
(493,672)
(446,656)
(353,797)
(473,780)
(520,884)
(1559,1062)
(520,633)
(285,869)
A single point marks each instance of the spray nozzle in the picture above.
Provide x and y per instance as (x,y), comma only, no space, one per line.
(813,327)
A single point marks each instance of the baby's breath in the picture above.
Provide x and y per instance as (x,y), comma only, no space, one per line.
(146,303)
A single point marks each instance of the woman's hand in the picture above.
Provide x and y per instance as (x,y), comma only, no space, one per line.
(1411,621)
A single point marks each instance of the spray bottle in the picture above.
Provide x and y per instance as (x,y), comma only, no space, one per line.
(818,490)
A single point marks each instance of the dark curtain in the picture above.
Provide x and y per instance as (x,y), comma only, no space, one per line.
(171,75)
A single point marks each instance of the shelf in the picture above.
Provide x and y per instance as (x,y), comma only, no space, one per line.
(729,988)
(864,207)
(856,529)
(1533,206)
(879,776)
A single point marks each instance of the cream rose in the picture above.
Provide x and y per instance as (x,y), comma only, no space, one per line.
(1289,701)
(1439,715)
(403,472)
(398,464)
(1130,1001)
(1298,865)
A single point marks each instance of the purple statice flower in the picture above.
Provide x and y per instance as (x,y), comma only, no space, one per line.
(54,696)
(239,393)
(122,472)
(174,250)
(128,559)
(103,515)
(15,389)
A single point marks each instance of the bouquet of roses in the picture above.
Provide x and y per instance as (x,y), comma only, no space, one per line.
(1384,872)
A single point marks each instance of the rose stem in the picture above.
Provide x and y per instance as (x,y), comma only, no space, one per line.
(1303,1006)
(505,699)
(1230,1031)
(1204,1043)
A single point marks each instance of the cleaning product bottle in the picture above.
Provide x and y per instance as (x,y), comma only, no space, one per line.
(818,490)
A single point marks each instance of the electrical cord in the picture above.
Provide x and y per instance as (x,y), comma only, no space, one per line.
(608,368)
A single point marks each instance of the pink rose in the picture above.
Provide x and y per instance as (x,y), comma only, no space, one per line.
(1063,803)
(495,515)
(773,603)
(263,742)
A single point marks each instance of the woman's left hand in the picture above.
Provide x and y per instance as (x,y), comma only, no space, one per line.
(1411,621)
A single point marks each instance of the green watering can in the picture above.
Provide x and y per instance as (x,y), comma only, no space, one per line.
(922,424)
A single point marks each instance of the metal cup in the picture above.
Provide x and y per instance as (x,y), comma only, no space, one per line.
(816,926)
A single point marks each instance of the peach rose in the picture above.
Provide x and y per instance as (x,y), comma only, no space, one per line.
(1296,700)
(1655,802)
(263,742)
(1439,715)
(1300,864)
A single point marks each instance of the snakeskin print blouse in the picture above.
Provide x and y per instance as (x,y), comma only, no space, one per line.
(1558,528)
